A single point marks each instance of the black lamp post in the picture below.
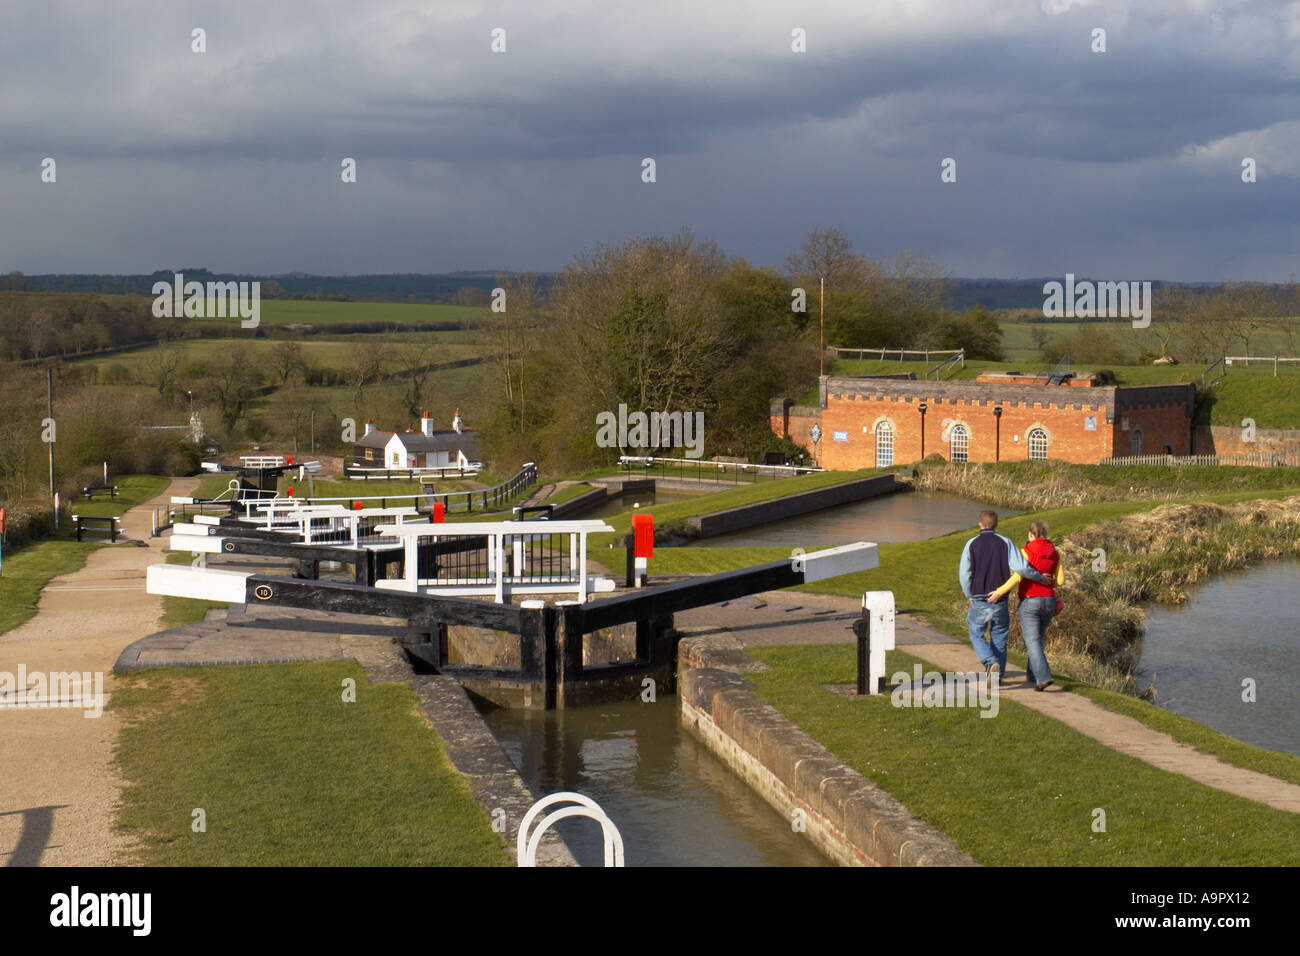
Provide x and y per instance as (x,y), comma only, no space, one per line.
(997,415)
(923,407)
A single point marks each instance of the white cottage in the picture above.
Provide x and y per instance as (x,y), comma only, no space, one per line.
(426,448)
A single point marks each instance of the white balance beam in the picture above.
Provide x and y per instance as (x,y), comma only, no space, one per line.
(200,543)
(207,584)
(846,559)
(187,527)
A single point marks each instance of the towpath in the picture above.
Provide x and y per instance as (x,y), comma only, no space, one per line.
(790,617)
(59,791)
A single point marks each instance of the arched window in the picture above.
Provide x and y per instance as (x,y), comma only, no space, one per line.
(959,444)
(884,445)
(1135,441)
(1037,445)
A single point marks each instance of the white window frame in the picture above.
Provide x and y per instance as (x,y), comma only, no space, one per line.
(959,430)
(885,442)
(1032,443)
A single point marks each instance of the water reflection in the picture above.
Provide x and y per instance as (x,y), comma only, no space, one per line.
(1242,625)
(674,803)
(903,516)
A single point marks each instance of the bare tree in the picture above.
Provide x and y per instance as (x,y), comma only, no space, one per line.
(363,366)
(161,370)
(286,358)
(230,381)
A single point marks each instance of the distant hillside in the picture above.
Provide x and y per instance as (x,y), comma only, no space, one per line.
(451,288)
(1011,293)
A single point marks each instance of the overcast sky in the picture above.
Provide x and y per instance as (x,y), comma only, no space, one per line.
(1124,164)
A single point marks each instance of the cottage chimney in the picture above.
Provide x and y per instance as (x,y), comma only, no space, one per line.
(457,423)
(426,424)
(370,426)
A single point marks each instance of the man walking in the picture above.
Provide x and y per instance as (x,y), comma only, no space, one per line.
(986,562)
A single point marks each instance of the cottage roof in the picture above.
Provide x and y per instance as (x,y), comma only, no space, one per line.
(466,441)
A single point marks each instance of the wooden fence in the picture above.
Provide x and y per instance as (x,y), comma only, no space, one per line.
(1254,460)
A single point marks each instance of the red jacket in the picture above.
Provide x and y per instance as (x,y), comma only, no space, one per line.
(1043,559)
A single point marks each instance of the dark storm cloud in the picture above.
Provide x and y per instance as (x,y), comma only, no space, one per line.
(469,159)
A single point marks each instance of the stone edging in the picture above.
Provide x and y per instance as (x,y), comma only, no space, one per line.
(848,817)
(476,754)
(792,506)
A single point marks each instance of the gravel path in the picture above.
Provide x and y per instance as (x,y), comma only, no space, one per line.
(59,792)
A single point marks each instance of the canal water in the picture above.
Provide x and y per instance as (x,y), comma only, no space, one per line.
(1243,625)
(889,519)
(638,500)
(674,803)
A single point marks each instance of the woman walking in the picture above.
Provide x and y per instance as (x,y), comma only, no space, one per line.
(1038,602)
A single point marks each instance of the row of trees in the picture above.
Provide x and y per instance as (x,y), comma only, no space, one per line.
(37,325)
(1198,324)
(672,324)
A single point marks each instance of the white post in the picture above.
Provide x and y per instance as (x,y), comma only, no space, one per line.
(582,567)
(499,545)
(411,573)
(880,612)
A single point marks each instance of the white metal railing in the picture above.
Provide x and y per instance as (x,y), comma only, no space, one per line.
(513,563)
(262,461)
(333,524)
(526,845)
(1229,360)
(886,355)
(442,472)
(776,471)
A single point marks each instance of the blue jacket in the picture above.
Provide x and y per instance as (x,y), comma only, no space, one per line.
(988,560)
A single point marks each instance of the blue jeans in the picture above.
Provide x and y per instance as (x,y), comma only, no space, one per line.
(981,615)
(1035,614)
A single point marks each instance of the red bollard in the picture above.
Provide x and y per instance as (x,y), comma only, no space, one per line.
(439,513)
(643,546)
(356,506)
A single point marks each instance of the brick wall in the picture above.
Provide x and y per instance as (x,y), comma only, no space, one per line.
(1164,416)
(1080,425)
(1227,440)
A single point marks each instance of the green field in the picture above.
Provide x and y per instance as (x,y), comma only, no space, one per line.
(305,312)
(326,351)
(288,774)
(1020,788)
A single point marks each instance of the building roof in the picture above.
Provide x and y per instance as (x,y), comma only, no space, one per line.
(466,441)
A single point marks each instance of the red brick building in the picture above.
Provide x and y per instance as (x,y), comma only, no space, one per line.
(876,422)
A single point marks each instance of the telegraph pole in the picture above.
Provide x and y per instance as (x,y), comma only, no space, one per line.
(821,339)
(49,401)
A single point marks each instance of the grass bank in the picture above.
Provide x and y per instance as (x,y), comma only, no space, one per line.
(132,490)
(670,519)
(24,575)
(1020,788)
(288,774)
(1026,485)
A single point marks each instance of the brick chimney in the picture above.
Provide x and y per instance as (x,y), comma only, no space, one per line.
(426,424)
(457,423)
